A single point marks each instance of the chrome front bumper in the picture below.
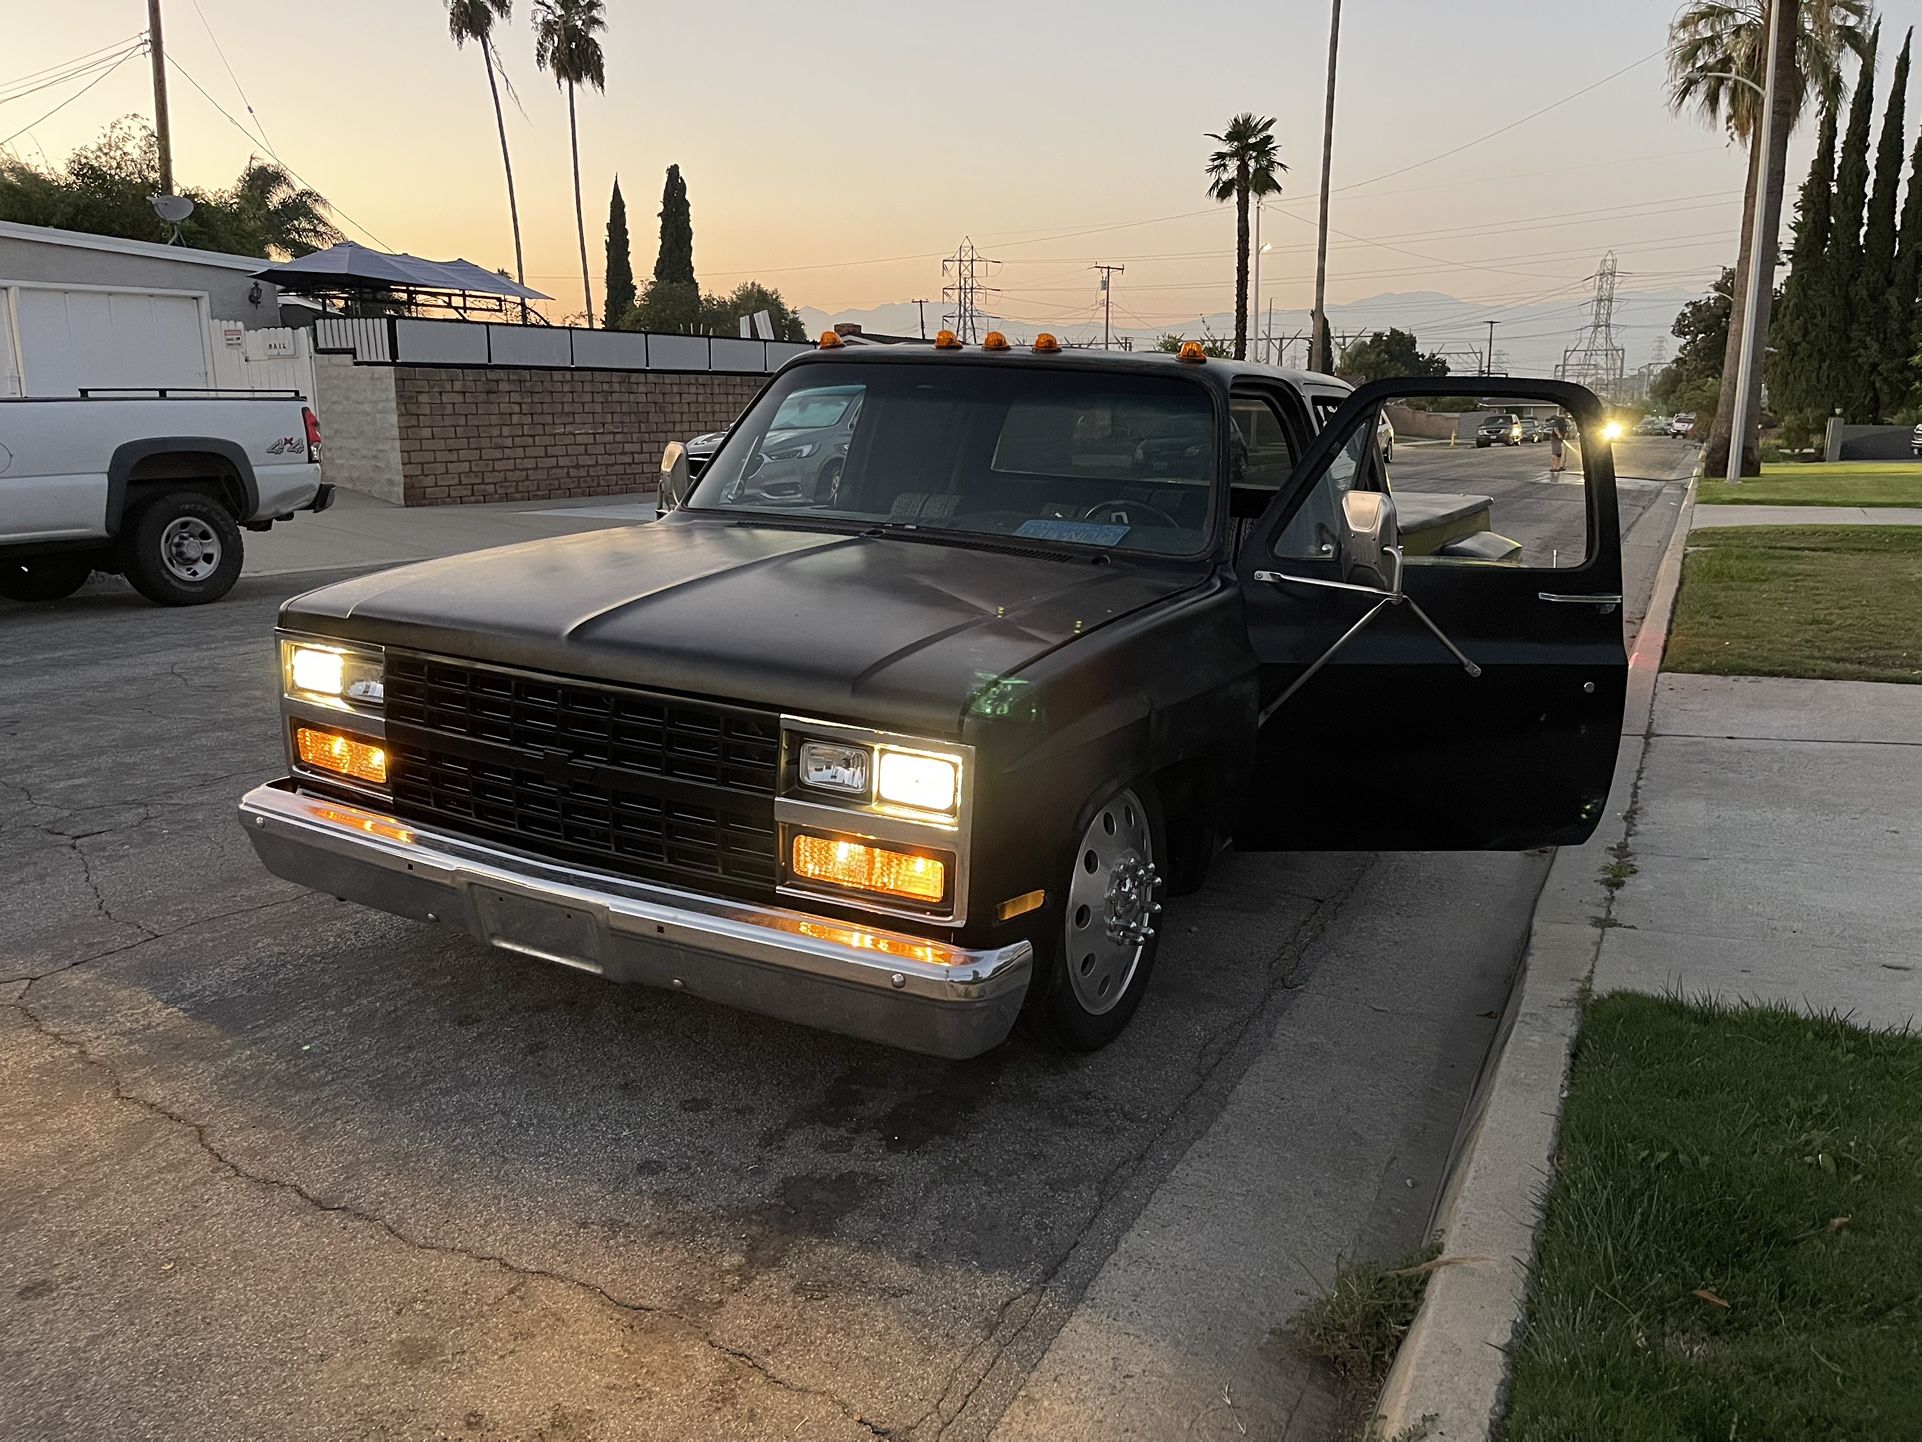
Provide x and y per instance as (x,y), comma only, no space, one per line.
(904,991)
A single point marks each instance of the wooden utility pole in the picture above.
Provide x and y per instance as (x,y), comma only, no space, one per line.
(1320,357)
(157,52)
(1108,273)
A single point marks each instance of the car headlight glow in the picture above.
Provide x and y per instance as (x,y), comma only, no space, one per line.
(1612,431)
(331,675)
(918,780)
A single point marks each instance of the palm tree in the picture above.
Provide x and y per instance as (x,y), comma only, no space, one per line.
(474,20)
(564,43)
(276,214)
(1245,166)
(1717,57)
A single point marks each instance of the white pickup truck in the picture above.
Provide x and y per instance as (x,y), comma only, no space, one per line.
(153,484)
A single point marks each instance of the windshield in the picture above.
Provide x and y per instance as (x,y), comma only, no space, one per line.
(1125,462)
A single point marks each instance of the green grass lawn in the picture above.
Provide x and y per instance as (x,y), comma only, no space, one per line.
(1821,483)
(1839,603)
(1733,1244)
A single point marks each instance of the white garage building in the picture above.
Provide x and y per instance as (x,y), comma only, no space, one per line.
(94,311)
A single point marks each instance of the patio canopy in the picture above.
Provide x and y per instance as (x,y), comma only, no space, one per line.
(349,271)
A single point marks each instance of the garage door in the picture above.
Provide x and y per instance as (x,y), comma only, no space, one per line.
(75,338)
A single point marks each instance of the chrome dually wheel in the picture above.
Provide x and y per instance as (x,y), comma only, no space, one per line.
(1113,904)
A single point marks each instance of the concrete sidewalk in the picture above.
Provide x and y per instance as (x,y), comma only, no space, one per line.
(361,531)
(1706,516)
(1779,848)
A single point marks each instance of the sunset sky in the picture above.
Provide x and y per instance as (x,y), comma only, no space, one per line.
(837,149)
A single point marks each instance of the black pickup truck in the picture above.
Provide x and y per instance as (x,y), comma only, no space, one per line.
(916,749)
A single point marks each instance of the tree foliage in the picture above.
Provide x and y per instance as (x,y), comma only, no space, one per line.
(1802,326)
(1879,392)
(674,261)
(1692,380)
(106,189)
(619,283)
(721,314)
(1386,354)
(1211,345)
(567,43)
(1844,269)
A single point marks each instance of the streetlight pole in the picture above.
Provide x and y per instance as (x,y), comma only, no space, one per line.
(1319,357)
(1745,361)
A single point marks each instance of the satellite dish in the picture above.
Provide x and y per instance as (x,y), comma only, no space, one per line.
(172,209)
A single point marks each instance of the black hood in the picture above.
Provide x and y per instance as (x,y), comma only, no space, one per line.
(888,632)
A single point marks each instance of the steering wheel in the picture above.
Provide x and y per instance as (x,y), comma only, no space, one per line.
(1119,510)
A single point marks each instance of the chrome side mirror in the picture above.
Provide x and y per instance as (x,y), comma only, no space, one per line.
(1370,541)
(675,480)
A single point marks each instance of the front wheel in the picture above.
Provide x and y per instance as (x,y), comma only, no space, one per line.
(181,549)
(1110,926)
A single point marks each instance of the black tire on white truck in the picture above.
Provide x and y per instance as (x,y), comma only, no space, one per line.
(180,548)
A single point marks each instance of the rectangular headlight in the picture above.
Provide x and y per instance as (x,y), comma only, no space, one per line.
(840,861)
(918,780)
(836,766)
(333,675)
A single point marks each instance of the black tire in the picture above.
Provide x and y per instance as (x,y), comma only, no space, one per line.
(181,549)
(827,485)
(50,578)
(1479,444)
(1056,1012)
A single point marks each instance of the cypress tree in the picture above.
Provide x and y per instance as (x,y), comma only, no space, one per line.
(1794,379)
(1903,375)
(674,263)
(1875,282)
(620,263)
(1836,340)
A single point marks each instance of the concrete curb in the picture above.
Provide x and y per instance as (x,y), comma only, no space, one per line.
(1449,1381)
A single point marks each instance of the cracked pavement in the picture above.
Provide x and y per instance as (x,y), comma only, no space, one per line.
(271,1165)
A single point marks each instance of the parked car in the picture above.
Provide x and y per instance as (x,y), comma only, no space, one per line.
(1681,425)
(1652,426)
(1385,436)
(152,485)
(1534,431)
(1501,430)
(802,453)
(929,750)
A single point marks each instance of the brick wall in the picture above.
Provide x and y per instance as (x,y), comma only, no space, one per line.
(505,434)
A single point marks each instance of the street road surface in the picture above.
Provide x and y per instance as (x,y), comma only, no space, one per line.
(272,1165)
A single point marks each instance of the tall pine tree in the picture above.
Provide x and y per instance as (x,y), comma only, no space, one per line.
(1795,382)
(1877,340)
(1903,376)
(674,262)
(619,284)
(1836,358)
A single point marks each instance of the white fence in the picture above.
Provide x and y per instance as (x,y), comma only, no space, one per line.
(403,340)
(278,358)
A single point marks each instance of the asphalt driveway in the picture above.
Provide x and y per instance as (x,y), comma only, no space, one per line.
(271,1165)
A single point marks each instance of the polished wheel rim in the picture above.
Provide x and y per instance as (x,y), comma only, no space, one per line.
(1111,904)
(190,548)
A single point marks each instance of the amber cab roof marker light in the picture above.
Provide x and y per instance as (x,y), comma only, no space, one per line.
(1193,353)
(994,340)
(831,339)
(1045,344)
(947,340)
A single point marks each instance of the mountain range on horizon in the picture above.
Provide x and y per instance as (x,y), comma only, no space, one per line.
(1529,338)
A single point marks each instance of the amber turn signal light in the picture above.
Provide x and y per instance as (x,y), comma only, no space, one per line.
(1045,344)
(860,867)
(1192,352)
(347,756)
(831,339)
(947,340)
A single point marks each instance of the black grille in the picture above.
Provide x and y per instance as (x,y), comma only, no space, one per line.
(652,786)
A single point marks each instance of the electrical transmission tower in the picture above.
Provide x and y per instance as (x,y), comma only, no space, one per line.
(964,294)
(1597,360)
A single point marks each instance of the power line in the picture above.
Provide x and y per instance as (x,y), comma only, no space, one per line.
(71,98)
(68,69)
(233,77)
(331,205)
